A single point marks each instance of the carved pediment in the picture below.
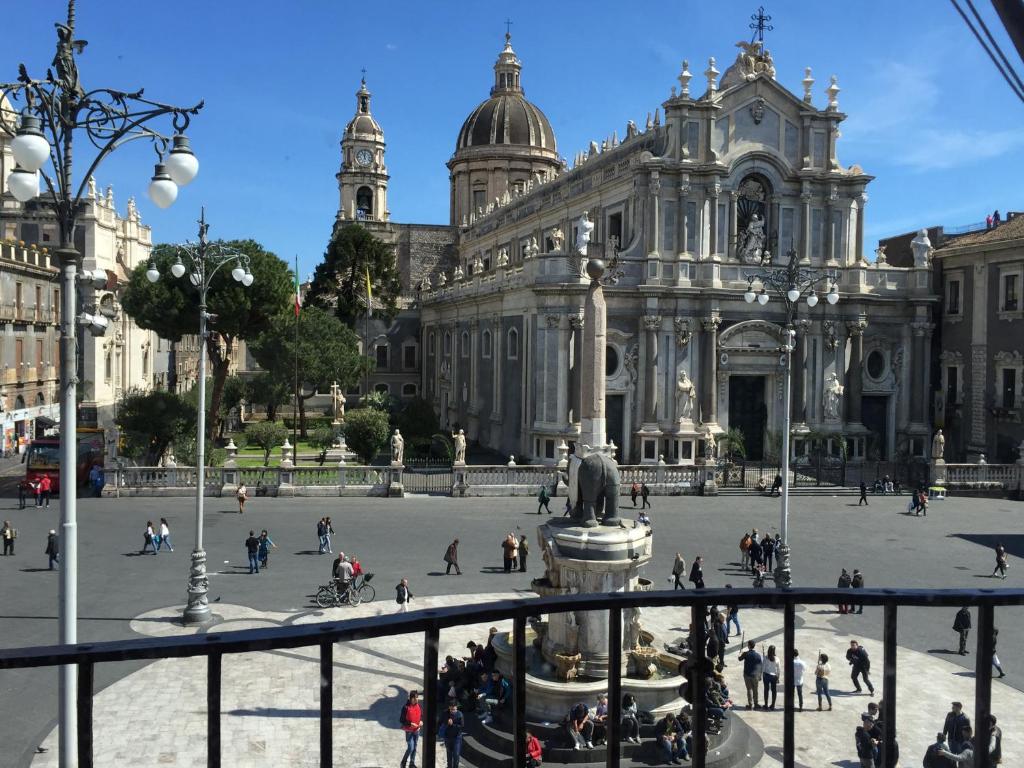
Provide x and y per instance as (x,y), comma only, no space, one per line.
(751,336)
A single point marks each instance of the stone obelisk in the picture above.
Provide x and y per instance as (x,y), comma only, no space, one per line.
(595,328)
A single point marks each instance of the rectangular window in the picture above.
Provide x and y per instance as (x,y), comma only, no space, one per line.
(384,389)
(18,298)
(382,356)
(953,297)
(409,357)
(615,226)
(487,261)
(691,226)
(952,385)
(818,158)
(1011,299)
(837,235)
(479,200)
(723,228)
(549,449)
(56,306)
(408,390)
(693,139)
(816,232)
(1009,388)
(19,354)
(39,353)
(39,302)
(786,231)
(669,236)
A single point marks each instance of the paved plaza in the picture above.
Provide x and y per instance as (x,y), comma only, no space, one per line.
(155,714)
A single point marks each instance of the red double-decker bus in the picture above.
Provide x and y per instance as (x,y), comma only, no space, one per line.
(43,457)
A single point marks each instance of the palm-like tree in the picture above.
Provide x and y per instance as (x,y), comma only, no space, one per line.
(733,445)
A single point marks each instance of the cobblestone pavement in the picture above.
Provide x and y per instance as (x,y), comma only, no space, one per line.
(157,716)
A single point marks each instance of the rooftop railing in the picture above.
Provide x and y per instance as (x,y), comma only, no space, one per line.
(430,622)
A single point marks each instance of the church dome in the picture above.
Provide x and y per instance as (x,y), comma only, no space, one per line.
(507,117)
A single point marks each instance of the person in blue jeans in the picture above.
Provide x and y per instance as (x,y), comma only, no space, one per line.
(733,618)
(453,724)
(252,546)
(412,721)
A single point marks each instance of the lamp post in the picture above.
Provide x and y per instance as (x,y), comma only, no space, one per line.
(53,111)
(791,283)
(202,261)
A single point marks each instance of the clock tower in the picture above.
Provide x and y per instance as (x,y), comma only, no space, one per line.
(363,178)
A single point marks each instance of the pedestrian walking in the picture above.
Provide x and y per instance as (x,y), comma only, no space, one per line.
(52,548)
(403,596)
(328,532)
(321,534)
(534,750)
(770,677)
(266,543)
(8,533)
(242,494)
(634,491)
(453,725)
(543,500)
(451,558)
(147,538)
(45,490)
(955,726)
(524,550)
(753,668)
(734,616)
(962,626)
(165,535)
(678,569)
(745,551)
(697,572)
(411,719)
(645,494)
(860,663)
(515,550)
(768,552)
(568,508)
(252,548)
(97,480)
(863,494)
(995,657)
(845,580)
(508,548)
(756,554)
(821,674)
(799,668)
(857,582)
(1000,560)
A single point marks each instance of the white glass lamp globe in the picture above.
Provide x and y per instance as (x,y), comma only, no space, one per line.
(181,163)
(195,279)
(812,300)
(762,298)
(247,278)
(24,184)
(833,295)
(152,273)
(793,294)
(238,273)
(749,296)
(30,148)
(177,268)
(162,190)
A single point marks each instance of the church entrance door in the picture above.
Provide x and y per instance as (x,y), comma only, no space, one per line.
(748,413)
(874,410)
(615,412)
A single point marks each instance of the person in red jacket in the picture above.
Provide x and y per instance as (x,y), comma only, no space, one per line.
(533,750)
(412,721)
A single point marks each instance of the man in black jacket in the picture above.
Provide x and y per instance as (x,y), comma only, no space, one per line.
(697,572)
(857,582)
(962,626)
(957,727)
(858,659)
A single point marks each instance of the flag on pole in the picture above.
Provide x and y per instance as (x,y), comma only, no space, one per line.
(369,295)
(298,290)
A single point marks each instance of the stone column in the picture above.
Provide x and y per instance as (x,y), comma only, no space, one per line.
(799,410)
(474,397)
(709,370)
(497,353)
(919,366)
(734,198)
(854,382)
(595,312)
(805,226)
(575,378)
(862,200)
(559,334)
(713,193)
(684,220)
(651,325)
(655,191)
(830,235)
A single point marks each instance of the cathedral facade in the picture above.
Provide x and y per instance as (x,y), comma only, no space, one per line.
(732,174)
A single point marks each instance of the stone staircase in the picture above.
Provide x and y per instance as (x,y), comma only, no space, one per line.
(799,490)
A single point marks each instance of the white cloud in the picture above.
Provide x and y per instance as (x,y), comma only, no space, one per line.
(929,149)
(391,46)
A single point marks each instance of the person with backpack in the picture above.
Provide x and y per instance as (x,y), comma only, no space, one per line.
(543,499)
(857,658)
(242,495)
(411,719)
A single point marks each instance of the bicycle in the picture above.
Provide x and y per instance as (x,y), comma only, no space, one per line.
(358,591)
(363,587)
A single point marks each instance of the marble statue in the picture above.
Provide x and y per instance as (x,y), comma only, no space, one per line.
(833,392)
(534,248)
(752,240)
(685,397)
(337,402)
(938,445)
(459,274)
(503,257)
(632,630)
(583,230)
(460,446)
(397,448)
(922,248)
(710,445)
(557,238)
(880,256)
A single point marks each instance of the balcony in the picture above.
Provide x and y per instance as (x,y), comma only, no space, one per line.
(322,637)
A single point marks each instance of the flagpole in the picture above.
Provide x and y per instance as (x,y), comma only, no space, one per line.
(295,411)
(366,332)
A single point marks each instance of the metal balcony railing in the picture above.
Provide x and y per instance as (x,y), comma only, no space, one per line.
(214,645)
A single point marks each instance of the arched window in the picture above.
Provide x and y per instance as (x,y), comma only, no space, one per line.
(40,399)
(447,343)
(364,203)
(485,344)
(513,344)
(19,403)
(465,343)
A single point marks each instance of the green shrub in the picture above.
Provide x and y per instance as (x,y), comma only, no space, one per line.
(366,432)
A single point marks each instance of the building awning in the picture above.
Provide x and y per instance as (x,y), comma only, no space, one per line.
(45,421)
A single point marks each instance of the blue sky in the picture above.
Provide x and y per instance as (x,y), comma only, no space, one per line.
(929,115)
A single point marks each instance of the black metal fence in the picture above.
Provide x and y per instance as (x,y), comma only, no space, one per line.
(823,471)
(215,645)
(435,480)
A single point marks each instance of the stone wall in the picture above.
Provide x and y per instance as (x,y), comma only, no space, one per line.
(422,249)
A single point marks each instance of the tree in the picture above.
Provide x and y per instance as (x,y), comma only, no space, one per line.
(171,306)
(366,432)
(327,351)
(324,439)
(732,445)
(382,401)
(150,422)
(235,391)
(267,435)
(339,282)
(269,391)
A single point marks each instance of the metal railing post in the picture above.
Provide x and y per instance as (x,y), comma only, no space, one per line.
(84,704)
(326,704)
(613,723)
(430,715)
(698,671)
(519,690)
(788,717)
(982,684)
(213,710)
(888,713)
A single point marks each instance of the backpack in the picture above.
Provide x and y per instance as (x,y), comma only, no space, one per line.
(403,718)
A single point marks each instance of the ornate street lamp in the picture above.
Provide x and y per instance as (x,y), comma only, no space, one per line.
(790,283)
(201,261)
(53,111)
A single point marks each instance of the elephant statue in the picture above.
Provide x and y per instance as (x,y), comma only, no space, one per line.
(594,490)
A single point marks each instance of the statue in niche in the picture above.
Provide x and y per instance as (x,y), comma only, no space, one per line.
(939,445)
(557,238)
(833,393)
(460,446)
(503,257)
(584,227)
(752,241)
(685,397)
(397,447)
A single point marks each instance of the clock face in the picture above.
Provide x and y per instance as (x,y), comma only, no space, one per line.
(364,157)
